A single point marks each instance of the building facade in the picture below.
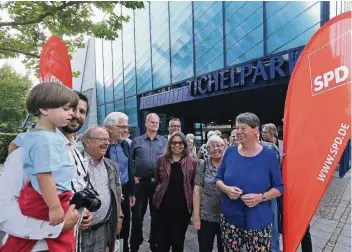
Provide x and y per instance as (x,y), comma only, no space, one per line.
(199,61)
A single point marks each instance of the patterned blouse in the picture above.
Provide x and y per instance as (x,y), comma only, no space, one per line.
(204,150)
(210,202)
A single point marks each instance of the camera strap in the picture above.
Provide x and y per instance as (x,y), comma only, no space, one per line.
(86,177)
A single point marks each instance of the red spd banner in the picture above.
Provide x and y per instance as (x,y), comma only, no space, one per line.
(55,62)
(317,124)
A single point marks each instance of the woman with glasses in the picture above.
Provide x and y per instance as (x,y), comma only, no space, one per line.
(207,197)
(249,176)
(174,174)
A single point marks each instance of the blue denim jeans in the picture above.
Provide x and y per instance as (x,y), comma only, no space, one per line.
(275,241)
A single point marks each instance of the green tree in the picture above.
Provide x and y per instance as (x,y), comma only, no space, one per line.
(33,21)
(13,90)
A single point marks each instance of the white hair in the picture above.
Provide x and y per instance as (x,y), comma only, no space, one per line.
(113,118)
(210,133)
(215,139)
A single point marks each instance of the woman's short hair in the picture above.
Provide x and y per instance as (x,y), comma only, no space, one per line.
(50,95)
(215,139)
(190,136)
(113,118)
(271,128)
(168,152)
(248,118)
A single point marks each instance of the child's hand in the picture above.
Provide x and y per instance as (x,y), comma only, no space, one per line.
(56,215)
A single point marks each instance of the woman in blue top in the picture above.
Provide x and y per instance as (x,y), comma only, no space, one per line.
(249,175)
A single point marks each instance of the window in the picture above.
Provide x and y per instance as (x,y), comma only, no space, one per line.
(244,31)
(159,14)
(120,106)
(109,108)
(99,71)
(208,32)
(117,67)
(131,111)
(181,40)
(101,115)
(129,66)
(108,79)
(143,54)
(291,24)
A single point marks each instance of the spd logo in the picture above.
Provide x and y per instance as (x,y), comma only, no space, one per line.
(330,66)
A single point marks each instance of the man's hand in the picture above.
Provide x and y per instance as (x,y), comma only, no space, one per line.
(132,201)
(71,218)
(136,180)
(86,221)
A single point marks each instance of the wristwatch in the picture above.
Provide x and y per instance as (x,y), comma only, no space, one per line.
(263,197)
(121,216)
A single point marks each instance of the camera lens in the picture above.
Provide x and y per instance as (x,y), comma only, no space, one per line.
(95,206)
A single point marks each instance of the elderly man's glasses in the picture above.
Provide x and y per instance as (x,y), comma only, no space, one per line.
(100,139)
(175,126)
(123,127)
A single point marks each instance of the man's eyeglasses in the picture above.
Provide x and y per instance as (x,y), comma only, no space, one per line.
(175,126)
(180,143)
(123,127)
(100,139)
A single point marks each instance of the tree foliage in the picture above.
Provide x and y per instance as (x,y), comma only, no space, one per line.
(34,21)
(13,91)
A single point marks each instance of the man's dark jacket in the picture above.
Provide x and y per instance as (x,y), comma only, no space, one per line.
(126,149)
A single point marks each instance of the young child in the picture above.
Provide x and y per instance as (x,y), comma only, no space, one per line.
(47,162)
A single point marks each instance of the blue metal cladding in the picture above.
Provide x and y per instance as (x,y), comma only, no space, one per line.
(120,106)
(181,40)
(101,115)
(129,54)
(208,32)
(290,24)
(108,78)
(159,19)
(143,52)
(109,108)
(131,111)
(99,71)
(243,31)
(117,68)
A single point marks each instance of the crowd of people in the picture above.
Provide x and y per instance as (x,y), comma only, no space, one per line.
(59,197)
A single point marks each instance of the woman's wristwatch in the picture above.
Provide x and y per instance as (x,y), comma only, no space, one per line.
(121,216)
(263,197)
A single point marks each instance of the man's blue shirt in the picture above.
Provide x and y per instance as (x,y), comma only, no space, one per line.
(118,155)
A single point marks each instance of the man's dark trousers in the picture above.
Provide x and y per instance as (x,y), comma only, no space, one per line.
(126,210)
(144,194)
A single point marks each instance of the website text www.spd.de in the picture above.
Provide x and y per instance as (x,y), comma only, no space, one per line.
(333,151)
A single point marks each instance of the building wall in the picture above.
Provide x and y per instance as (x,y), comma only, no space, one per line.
(169,42)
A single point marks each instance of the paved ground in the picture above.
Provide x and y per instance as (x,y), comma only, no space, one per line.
(330,226)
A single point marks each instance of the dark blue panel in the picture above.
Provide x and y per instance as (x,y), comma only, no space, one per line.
(101,115)
(131,110)
(129,54)
(99,71)
(291,24)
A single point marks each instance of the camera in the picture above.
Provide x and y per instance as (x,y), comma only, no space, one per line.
(88,198)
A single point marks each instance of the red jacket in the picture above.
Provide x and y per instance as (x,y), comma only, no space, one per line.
(162,177)
(33,205)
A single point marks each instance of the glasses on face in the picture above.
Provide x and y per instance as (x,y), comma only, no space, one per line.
(214,146)
(176,126)
(180,143)
(123,127)
(101,139)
